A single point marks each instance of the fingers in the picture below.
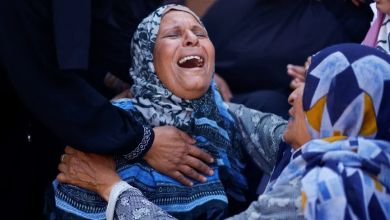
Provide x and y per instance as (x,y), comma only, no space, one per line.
(356,3)
(296,71)
(184,136)
(308,61)
(295,84)
(124,94)
(307,64)
(62,178)
(200,154)
(64,158)
(70,150)
(62,168)
(299,70)
(226,93)
(182,179)
(223,88)
(129,94)
(188,171)
(192,162)
(111,81)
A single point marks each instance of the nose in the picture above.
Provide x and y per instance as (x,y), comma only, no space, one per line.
(292,97)
(190,40)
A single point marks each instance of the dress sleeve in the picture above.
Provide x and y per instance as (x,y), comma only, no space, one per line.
(127,202)
(261,134)
(283,202)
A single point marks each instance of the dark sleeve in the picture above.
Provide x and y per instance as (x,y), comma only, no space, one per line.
(78,114)
(61,99)
(112,42)
(354,20)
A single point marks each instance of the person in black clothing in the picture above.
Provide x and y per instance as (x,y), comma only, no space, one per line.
(49,51)
(255,40)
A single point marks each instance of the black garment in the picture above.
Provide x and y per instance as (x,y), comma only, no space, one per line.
(48,48)
(255,40)
(264,100)
(124,20)
(356,21)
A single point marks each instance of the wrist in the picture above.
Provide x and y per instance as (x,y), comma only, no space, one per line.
(105,189)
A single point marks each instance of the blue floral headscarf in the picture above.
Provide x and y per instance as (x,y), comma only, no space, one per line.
(156,103)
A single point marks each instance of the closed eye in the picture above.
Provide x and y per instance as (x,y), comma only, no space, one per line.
(173,35)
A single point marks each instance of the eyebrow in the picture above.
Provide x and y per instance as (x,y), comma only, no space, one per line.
(195,27)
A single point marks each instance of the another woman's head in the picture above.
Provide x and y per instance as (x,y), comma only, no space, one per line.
(183,55)
(383,6)
(346,94)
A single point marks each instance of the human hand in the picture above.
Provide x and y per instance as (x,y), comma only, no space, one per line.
(89,171)
(357,2)
(113,82)
(124,94)
(298,73)
(223,88)
(173,153)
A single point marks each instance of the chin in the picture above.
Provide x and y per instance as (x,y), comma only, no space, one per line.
(383,8)
(196,88)
(286,137)
(193,93)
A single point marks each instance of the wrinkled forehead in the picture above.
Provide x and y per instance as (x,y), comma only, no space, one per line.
(145,36)
(174,19)
(177,19)
(153,21)
(182,9)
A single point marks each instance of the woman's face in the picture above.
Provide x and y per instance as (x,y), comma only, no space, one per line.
(297,133)
(183,55)
(383,6)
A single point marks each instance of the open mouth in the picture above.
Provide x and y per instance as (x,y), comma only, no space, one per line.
(291,116)
(189,62)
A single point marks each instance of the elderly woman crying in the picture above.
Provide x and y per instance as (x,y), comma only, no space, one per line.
(172,68)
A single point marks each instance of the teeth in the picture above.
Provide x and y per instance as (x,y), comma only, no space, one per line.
(184,59)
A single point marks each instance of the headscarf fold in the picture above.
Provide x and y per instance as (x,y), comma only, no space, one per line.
(156,103)
(345,169)
(206,119)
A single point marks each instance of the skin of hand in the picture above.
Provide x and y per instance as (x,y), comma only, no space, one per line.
(298,73)
(296,83)
(223,88)
(358,2)
(114,82)
(89,171)
(124,94)
(173,153)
